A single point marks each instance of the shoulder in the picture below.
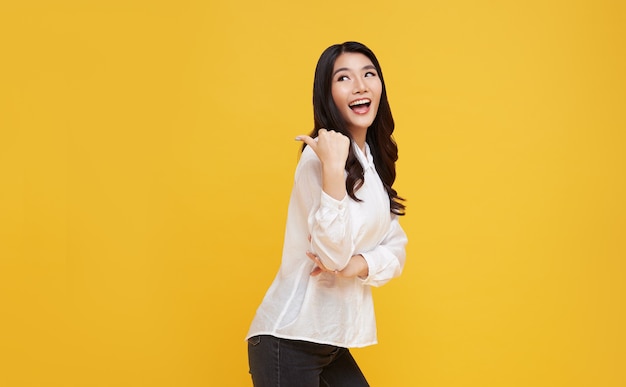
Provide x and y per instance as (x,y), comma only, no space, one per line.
(309,163)
(308,153)
(307,157)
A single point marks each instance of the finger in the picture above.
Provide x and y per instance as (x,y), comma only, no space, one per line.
(326,133)
(307,140)
(316,260)
(321,265)
(317,271)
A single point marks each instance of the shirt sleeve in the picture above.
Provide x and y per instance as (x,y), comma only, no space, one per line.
(328,219)
(386,260)
(330,227)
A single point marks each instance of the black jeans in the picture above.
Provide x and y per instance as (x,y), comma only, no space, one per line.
(278,362)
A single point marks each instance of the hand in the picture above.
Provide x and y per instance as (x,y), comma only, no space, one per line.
(331,147)
(357,267)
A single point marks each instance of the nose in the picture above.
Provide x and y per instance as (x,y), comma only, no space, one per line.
(359,86)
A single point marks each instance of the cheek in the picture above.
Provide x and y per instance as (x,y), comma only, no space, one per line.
(335,95)
(377,87)
(339,94)
(335,98)
(378,94)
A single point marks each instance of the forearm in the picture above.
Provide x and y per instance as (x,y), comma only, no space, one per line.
(356,267)
(386,261)
(333,181)
(330,228)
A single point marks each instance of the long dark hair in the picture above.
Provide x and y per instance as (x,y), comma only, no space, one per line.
(379,135)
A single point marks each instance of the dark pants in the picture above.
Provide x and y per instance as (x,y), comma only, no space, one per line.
(278,362)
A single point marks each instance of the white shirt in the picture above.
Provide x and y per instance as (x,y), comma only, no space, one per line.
(327,309)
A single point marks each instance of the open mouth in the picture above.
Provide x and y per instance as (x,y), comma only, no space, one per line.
(360,105)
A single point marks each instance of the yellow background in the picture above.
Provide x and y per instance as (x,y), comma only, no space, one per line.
(147,155)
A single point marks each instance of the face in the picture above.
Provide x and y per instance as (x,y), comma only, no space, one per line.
(356,90)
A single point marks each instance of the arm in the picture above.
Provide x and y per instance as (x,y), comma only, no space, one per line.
(377,266)
(332,150)
(386,260)
(329,221)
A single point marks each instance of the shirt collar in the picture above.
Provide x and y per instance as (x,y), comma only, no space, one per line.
(366,160)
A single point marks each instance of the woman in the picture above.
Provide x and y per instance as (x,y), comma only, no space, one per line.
(342,234)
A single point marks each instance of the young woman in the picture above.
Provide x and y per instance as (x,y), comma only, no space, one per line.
(342,234)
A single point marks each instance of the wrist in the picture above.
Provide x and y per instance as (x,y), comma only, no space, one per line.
(364,267)
(333,167)
(333,181)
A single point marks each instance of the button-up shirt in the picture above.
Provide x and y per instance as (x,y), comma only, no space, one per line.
(326,308)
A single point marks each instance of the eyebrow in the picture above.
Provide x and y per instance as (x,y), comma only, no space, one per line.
(368,67)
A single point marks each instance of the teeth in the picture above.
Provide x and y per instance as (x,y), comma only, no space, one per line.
(360,102)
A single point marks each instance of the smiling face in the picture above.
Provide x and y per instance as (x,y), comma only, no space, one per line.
(356,89)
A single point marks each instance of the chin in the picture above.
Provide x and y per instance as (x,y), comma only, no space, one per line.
(364,123)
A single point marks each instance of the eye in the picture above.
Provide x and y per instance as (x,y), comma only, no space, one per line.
(342,78)
(370,74)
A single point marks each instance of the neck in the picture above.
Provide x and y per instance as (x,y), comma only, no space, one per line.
(359,135)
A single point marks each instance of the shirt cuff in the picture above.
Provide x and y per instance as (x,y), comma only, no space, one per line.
(371,268)
(329,202)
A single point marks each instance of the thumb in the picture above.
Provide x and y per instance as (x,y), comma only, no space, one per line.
(307,140)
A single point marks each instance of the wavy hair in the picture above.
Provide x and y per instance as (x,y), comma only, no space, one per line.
(383,148)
